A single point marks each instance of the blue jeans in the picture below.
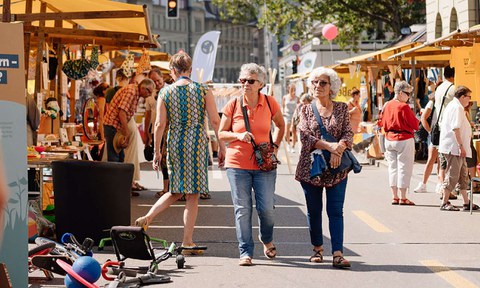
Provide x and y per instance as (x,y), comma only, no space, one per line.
(335,200)
(263,184)
(112,156)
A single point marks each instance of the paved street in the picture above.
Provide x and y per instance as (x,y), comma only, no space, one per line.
(388,246)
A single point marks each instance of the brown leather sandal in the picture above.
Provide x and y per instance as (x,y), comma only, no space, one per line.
(245,261)
(317,257)
(340,262)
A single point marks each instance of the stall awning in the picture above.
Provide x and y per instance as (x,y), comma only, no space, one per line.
(376,55)
(82,20)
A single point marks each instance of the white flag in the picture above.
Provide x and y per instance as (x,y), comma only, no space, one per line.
(308,63)
(204,57)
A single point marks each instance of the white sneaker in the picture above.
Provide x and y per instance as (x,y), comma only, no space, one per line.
(421,188)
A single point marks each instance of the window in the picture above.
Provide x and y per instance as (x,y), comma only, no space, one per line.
(438,26)
(198,26)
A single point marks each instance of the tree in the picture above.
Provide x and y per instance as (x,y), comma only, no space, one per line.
(352,17)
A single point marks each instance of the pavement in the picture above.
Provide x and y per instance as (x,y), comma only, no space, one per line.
(388,246)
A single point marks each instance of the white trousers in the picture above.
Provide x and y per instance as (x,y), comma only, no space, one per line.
(400,156)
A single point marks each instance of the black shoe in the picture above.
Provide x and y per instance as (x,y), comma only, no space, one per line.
(134,194)
(466,207)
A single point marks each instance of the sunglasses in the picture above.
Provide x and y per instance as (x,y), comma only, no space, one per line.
(321,83)
(408,93)
(250,81)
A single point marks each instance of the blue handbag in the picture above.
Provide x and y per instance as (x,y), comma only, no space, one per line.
(348,161)
(318,164)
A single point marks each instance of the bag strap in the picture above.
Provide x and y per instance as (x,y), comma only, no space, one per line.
(247,123)
(323,130)
(443,101)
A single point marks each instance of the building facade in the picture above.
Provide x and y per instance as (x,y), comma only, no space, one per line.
(444,17)
(238,44)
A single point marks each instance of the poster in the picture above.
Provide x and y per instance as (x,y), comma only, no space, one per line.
(463,59)
(13,138)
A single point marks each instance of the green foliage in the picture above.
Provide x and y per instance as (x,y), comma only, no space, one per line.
(352,17)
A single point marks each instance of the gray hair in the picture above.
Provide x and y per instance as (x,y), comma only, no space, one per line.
(147,82)
(254,68)
(335,82)
(401,86)
(307,97)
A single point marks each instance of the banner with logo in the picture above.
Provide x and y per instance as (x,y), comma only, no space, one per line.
(204,57)
(308,63)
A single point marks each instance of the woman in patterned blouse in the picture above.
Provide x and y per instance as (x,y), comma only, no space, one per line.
(324,85)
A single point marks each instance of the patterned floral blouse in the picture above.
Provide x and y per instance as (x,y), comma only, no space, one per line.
(337,125)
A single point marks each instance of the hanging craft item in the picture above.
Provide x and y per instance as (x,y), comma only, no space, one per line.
(94,58)
(76,69)
(144,62)
(127,65)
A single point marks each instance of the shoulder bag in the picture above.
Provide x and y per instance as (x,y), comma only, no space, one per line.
(435,133)
(421,135)
(264,152)
(348,161)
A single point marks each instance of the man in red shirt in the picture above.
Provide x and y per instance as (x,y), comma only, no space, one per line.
(120,110)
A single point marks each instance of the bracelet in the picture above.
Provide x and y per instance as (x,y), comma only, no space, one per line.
(275,145)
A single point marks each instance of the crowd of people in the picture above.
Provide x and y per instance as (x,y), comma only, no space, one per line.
(447,111)
(175,127)
(176,120)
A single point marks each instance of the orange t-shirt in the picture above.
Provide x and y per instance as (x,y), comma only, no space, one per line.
(240,154)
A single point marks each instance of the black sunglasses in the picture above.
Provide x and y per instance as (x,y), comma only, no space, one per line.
(250,81)
(321,83)
(408,93)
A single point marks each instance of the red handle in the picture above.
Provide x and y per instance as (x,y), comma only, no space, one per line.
(105,269)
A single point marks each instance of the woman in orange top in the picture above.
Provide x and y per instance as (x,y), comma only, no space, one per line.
(242,170)
(399,123)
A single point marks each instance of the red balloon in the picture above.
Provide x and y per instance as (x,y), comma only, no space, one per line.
(330,31)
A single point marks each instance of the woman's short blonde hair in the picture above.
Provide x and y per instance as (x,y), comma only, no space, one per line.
(335,82)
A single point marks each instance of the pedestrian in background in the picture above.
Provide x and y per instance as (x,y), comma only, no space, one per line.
(354,110)
(455,147)
(399,123)
(183,107)
(150,117)
(243,171)
(289,104)
(444,90)
(324,85)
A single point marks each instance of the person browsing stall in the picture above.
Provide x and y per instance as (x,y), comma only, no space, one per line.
(455,147)
(243,169)
(399,123)
(120,110)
